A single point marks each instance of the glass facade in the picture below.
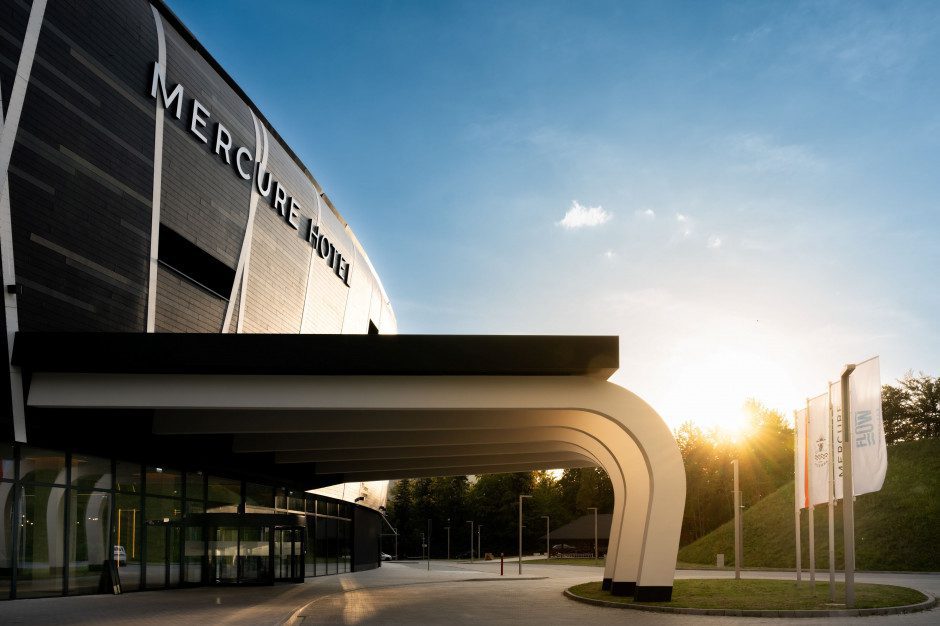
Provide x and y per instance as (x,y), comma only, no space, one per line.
(64,516)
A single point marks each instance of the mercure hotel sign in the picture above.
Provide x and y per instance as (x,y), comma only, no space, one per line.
(245,166)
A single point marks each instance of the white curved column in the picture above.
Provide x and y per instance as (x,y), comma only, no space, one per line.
(316,447)
(626,421)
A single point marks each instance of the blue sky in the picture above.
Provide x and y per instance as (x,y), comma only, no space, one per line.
(746,193)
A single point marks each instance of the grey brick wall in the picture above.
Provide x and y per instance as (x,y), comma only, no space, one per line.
(81,180)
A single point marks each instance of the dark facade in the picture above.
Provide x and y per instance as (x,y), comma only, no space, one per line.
(119,216)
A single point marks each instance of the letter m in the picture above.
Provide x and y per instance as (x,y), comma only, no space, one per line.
(159,80)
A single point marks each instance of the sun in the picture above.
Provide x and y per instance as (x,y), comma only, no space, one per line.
(735,427)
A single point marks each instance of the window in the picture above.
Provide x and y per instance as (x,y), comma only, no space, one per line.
(195,264)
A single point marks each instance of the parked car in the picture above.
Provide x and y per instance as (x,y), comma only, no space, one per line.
(385,557)
(120,555)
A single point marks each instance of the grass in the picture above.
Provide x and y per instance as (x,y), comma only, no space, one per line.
(763,595)
(895,528)
(571,561)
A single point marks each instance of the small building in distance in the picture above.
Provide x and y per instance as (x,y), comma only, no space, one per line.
(578,535)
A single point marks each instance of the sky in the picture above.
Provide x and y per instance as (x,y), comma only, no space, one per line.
(746,194)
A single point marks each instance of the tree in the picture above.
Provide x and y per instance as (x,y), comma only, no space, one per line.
(911,410)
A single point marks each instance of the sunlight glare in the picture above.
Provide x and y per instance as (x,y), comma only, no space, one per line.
(735,428)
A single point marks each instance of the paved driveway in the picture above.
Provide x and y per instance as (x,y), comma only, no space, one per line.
(406,593)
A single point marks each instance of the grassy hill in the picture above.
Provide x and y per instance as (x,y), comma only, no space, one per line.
(897,528)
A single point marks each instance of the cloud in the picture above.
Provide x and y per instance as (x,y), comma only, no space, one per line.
(610,255)
(580,216)
(647,214)
(685,225)
(754,35)
(714,241)
(760,153)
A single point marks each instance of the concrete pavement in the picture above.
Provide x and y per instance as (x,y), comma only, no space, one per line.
(407,593)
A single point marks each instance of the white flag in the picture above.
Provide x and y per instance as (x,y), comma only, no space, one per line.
(835,417)
(818,455)
(799,460)
(869,452)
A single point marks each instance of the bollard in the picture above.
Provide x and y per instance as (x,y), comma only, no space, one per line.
(501,555)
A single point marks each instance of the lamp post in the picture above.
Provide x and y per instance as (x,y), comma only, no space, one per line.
(479,533)
(470,521)
(548,534)
(382,512)
(521,496)
(447,528)
(594,508)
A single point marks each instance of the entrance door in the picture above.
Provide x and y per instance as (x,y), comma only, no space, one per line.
(223,554)
(289,554)
(162,555)
(194,549)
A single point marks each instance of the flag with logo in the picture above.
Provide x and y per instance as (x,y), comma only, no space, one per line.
(869,451)
(799,474)
(818,455)
(835,419)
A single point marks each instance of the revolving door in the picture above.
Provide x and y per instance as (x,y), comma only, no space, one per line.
(252,548)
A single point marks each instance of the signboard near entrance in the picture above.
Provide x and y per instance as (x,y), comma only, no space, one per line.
(110,578)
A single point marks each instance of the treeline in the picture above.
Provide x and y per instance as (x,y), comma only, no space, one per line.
(765,458)
(911,411)
(490,500)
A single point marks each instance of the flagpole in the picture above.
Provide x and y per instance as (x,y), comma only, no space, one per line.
(848,491)
(809,508)
(738,542)
(832,506)
(796,495)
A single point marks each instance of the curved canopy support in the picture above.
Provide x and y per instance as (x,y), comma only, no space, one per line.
(605,412)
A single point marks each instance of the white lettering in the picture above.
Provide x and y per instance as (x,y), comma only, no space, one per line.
(223,140)
(242,152)
(293,213)
(280,200)
(264,180)
(159,79)
(196,120)
(280,197)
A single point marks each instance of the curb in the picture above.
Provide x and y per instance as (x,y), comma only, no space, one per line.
(927,604)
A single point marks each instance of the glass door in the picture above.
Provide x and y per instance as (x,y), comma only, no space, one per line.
(289,554)
(162,557)
(254,555)
(223,554)
(193,551)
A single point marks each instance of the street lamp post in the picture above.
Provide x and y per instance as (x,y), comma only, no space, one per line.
(594,508)
(479,533)
(521,496)
(470,521)
(382,512)
(548,535)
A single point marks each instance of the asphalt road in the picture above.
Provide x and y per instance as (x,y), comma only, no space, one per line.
(407,593)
